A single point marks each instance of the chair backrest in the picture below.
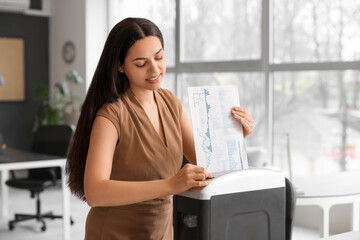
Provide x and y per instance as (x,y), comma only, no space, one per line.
(52,140)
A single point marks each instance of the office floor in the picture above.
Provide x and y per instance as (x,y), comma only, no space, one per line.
(51,200)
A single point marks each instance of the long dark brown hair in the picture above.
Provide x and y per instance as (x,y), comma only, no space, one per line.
(106,86)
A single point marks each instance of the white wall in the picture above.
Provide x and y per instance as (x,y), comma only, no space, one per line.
(96,33)
(83,22)
(67,23)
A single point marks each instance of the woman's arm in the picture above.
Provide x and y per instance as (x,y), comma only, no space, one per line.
(101,191)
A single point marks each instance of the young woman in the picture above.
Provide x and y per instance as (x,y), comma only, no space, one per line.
(130,139)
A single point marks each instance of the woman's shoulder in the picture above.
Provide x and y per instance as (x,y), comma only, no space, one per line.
(114,107)
(111,111)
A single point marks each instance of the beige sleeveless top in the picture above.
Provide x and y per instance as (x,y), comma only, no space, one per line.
(140,155)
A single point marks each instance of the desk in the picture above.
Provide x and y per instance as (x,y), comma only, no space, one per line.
(345,236)
(327,191)
(18,159)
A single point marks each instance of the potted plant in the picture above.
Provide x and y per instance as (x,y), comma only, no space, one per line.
(46,113)
(67,101)
(63,107)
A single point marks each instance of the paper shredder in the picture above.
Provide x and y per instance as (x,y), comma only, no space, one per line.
(243,205)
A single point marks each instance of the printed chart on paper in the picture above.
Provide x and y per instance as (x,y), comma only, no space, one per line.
(218,136)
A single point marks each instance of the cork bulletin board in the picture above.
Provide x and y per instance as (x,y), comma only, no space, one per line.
(12,69)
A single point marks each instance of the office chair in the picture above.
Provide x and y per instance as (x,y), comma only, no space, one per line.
(51,140)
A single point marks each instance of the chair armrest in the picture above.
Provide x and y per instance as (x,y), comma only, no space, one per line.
(12,174)
(53,175)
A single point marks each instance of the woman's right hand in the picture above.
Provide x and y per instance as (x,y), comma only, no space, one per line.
(190,176)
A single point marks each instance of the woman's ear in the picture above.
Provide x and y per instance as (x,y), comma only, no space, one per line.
(121,68)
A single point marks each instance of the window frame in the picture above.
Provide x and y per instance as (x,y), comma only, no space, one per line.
(263,65)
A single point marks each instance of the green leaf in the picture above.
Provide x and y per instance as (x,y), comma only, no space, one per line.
(41,91)
(74,77)
(52,116)
(62,88)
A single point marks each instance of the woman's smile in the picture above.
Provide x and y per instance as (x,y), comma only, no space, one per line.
(153,79)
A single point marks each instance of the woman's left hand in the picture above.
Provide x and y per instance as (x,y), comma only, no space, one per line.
(244,117)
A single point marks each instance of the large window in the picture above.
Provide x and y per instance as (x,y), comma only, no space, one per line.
(296,65)
(316,30)
(220,31)
(318,111)
(316,85)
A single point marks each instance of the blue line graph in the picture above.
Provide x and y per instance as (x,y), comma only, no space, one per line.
(218,136)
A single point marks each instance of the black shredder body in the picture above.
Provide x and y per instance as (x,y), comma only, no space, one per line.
(242,205)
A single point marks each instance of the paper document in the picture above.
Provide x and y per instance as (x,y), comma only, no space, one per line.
(219,141)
